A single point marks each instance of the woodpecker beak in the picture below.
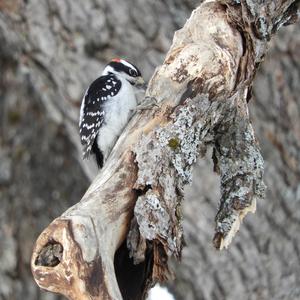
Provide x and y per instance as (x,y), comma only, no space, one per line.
(140,83)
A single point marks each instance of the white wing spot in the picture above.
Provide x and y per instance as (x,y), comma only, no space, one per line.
(93,114)
(87,126)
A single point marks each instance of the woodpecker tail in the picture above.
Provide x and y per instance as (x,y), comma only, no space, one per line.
(98,154)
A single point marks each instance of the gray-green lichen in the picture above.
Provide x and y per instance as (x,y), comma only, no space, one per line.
(241,170)
(196,124)
(166,169)
(157,225)
(189,133)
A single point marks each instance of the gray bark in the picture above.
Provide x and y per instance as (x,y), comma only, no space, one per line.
(50,51)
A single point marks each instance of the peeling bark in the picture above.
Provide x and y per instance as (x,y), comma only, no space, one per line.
(202,90)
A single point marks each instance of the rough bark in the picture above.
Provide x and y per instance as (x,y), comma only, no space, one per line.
(60,66)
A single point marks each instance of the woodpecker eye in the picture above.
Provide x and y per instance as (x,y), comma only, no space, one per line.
(133,72)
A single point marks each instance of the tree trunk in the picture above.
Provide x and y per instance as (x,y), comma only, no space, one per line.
(54,64)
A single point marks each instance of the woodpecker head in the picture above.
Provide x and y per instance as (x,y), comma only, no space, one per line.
(126,70)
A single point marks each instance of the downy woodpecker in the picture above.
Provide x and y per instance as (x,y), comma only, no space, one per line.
(106,108)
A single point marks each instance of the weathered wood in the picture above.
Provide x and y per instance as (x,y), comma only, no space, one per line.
(202,90)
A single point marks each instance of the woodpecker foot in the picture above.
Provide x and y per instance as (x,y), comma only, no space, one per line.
(147,103)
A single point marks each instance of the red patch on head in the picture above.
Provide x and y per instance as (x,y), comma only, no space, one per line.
(116,59)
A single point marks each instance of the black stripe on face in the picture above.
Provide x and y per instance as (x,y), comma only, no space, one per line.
(119,67)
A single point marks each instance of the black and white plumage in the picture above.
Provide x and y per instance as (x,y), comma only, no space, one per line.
(106,108)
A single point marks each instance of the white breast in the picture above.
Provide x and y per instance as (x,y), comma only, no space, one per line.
(118,111)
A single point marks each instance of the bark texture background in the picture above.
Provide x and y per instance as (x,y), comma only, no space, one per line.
(49,52)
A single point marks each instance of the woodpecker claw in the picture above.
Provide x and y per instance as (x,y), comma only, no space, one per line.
(147,103)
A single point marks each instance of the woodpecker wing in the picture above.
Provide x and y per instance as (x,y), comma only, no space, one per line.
(92,114)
